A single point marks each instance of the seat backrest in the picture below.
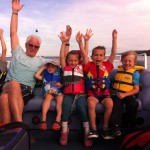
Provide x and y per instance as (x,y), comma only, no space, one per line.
(145,89)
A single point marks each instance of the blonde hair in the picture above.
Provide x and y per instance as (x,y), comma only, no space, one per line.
(130,52)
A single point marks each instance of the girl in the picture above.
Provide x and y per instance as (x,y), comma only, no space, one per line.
(74,89)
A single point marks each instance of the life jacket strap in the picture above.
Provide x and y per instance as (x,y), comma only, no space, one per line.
(74,82)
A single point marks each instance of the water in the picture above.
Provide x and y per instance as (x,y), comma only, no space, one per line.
(116,63)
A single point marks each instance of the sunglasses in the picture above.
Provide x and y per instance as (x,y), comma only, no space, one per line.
(35,46)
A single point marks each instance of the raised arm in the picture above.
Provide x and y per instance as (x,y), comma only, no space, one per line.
(64,38)
(16,7)
(86,37)
(114,47)
(4,49)
(68,34)
(38,75)
(79,37)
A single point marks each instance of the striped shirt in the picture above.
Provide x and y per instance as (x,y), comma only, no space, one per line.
(23,68)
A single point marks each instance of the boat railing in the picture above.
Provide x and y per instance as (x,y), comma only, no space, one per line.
(141,60)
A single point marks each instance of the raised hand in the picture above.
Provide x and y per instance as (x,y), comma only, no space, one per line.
(16,5)
(1,32)
(68,30)
(114,34)
(88,34)
(63,37)
(79,37)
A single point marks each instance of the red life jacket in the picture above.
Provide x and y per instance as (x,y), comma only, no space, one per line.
(96,79)
(73,80)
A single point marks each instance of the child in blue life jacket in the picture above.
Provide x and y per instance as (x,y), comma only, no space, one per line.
(51,75)
(73,87)
(125,85)
(97,86)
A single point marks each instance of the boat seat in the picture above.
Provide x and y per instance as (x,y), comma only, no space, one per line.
(32,111)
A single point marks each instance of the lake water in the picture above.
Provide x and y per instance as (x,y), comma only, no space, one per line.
(141,58)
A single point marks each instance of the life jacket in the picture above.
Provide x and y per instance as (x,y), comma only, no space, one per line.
(73,80)
(97,80)
(123,81)
(50,79)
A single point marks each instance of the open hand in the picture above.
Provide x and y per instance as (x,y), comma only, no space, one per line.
(63,37)
(68,30)
(88,34)
(16,5)
(79,37)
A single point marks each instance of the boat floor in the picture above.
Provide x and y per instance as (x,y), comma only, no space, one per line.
(49,140)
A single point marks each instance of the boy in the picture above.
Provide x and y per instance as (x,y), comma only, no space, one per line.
(51,76)
(97,92)
(125,86)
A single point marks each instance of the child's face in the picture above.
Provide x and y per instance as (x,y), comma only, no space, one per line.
(98,56)
(128,62)
(51,68)
(73,60)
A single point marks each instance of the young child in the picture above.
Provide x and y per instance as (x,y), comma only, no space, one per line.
(97,82)
(51,76)
(3,63)
(74,89)
(125,85)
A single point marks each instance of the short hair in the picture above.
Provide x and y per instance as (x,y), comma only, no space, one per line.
(73,52)
(130,52)
(98,47)
(33,36)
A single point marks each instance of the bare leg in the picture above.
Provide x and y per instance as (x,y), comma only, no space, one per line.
(92,102)
(46,105)
(59,100)
(15,99)
(4,108)
(108,103)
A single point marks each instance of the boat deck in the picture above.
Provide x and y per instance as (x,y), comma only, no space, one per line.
(46,140)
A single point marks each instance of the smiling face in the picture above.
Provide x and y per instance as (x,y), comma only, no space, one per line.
(32,47)
(51,68)
(98,56)
(128,62)
(72,60)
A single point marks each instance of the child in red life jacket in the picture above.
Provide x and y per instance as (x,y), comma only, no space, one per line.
(74,88)
(125,86)
(51,74)
(97,84)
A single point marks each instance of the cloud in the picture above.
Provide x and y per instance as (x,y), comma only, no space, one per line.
(131,18)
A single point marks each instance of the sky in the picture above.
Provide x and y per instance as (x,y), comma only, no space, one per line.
(131,18)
